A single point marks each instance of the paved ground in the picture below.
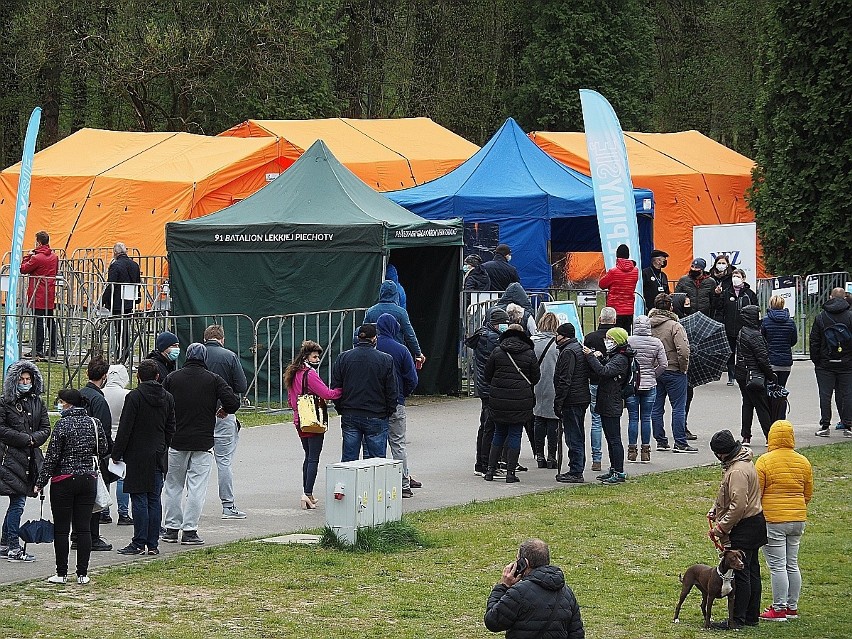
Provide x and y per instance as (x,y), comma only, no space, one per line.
(442,436)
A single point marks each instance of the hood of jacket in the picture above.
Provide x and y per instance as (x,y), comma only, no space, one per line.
(625,264)
(152,393)
(744,454)
(778,315)
(388,292)
(750,316)
(642,325)
(679,304)
(835,305)
(515,341)
(43,249)
(658,316)
(387,325)
(515,294)
(548,577)
(117,376)
(781,435)
(10,381)
(391,274)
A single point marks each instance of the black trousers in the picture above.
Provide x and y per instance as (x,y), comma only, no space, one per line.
(839,383)
(484,435)
(747,589)
(625,322)
(44,317)
(71,501)
(754,401)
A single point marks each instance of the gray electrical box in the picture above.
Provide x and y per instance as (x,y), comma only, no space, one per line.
(361,493)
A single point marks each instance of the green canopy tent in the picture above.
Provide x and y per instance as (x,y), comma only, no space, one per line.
(317,238)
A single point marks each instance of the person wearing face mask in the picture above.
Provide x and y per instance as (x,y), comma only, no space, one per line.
(698,286)
(301,377)
(475,276)
(165,354)
(24,427)
(735,295)
(500,272)
(654,279)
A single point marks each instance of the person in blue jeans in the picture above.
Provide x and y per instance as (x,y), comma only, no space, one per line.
(369,396)
(673,382)
(595,341)
(651,355)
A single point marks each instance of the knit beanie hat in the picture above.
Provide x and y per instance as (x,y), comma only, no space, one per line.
(196,351)
(623,251)
(617,335)
(164,340)
(566,330)
(498,316)
(723,443)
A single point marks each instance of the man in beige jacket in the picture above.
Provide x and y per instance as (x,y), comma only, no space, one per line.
(666,327)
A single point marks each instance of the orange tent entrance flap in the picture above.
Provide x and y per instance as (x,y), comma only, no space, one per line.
(387,154)
(695,181)
(97,187)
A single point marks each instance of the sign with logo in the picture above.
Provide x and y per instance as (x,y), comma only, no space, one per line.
(566,312)
(736,241)
(587,298)
(785,287)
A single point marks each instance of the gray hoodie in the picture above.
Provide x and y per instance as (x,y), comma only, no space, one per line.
(650,352)
(115,390)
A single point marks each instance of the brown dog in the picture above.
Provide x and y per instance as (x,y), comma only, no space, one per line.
(713,582)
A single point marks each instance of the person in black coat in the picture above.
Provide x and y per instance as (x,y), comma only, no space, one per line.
(500,272)
(654,279)
(144,434)
(753,356)
(122,270)
(475,276)
(832,367)
(781,336)
(197,393)
(512,370)
(532,600)
(165,354)
(735,295)
(571,383)
(595,341)
(612,369)
(97,407)
(483,342)
(24,427)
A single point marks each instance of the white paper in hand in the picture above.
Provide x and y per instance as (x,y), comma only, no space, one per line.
(117,468)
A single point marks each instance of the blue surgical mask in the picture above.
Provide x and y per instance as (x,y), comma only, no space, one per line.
(467,267)
(173,354)
(24,388)
(60,406)
(502,327)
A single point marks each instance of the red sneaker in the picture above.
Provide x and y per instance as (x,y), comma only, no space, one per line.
(792,614)
(770,614)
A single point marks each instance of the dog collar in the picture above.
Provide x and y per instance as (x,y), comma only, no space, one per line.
(727,579)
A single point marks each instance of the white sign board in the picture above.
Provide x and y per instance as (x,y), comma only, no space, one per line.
(737,241)
(786,287)
(587,298)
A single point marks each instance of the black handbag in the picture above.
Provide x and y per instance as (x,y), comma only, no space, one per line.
(755,380)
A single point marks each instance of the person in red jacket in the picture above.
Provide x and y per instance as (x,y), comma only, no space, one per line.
(42,264)
(620,284)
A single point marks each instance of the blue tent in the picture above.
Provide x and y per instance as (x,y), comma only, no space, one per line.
(532,198)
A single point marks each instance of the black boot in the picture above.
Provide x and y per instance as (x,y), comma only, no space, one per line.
(493,457)
(512,455)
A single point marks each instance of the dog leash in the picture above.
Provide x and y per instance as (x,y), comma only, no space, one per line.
(712,536)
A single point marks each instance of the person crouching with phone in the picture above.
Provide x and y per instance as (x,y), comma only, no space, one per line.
(532,599)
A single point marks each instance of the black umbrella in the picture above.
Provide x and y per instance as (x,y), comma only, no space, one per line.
(708,349)
(37,531)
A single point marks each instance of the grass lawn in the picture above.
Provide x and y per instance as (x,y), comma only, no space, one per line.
(621,548)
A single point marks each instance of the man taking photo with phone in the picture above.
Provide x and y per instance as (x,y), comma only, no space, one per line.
(532,599)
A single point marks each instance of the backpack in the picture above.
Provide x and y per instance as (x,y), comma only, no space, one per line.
(835,338)
(630,385)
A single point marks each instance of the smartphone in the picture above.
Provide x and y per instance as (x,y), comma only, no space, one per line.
(520,566)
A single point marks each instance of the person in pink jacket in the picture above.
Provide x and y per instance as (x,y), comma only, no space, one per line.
(300,373)
(620,284)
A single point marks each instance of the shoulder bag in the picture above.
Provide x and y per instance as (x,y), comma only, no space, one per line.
(756,380)
(313,413)
(103,499)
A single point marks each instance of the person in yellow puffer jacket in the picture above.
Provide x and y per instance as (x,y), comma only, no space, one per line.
(786,486)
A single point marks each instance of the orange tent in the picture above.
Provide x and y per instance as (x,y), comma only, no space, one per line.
(388,154)
(96,187)
(695,181)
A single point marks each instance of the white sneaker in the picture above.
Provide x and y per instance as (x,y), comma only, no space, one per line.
(83,579)
(232,512)
(57,579)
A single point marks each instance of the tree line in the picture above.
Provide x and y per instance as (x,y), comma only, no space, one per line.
(204,65)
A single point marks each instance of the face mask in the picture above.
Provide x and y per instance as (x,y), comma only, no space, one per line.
(173,354)
(508,258)
(610,345)
(664,263)
(25,388)
(721,266)
(312,364)
(693,274)
(502,327)
(467,268)
(60,406)
(737,281)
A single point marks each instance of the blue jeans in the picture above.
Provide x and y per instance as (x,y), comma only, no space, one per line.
(122,498)
(642,403)
(596,433)
(371,431)
(312,447)
(147,513)
(573,418)
(508,435)
(12,522)
(673,384)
